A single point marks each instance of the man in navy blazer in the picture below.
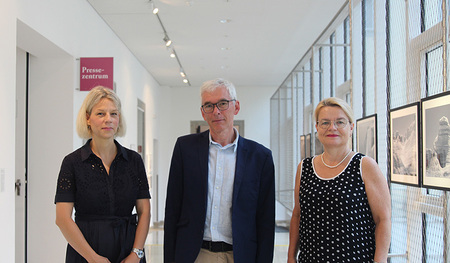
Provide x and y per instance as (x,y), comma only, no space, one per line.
(221,190)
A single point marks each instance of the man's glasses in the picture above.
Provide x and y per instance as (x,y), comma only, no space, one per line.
(221,105)
(339,123)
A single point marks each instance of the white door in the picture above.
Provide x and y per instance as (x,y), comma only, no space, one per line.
(48,121)
(21,100)
(154,190)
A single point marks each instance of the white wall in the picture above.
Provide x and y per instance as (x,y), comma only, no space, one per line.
(7,120)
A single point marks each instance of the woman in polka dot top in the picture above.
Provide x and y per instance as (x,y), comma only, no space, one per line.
(343,209)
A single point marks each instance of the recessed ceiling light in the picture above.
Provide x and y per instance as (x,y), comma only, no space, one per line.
(224,21)
(225,48)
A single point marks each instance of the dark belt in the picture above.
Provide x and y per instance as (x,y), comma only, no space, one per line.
(217,246)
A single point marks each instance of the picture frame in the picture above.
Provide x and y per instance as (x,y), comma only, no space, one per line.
(436,145)
(308,145)
(302,147)
(405,145)
(366,136)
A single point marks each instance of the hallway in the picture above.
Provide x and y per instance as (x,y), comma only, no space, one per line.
(154,245)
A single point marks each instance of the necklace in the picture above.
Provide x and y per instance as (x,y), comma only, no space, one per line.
(334,166)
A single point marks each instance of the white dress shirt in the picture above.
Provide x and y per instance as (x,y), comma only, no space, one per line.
(221,170)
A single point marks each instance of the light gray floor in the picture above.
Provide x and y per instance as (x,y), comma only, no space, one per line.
(154,246)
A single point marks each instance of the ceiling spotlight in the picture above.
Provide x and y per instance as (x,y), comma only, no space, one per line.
(185,80)
(155,10)
(182,73)
(167,40)
(172,53)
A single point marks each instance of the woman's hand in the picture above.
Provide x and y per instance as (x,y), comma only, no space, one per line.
(99,259)
(73,234)
(132,258)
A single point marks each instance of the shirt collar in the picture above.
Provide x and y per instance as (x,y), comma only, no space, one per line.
(86,150)
(233,144)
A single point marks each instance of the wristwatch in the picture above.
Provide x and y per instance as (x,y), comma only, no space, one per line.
(139,252)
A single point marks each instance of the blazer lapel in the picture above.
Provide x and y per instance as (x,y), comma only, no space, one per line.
(241,156)
(203,155)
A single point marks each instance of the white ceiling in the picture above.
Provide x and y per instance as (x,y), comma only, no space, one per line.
(259,46)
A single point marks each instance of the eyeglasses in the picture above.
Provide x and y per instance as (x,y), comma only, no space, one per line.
(221,105)
(339,123)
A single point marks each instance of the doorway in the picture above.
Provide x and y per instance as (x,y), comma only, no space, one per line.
(20,157)
(44,125)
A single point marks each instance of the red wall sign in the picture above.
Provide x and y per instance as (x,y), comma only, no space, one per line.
(96,72)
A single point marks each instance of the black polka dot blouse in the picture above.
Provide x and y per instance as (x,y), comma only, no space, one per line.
(336,223)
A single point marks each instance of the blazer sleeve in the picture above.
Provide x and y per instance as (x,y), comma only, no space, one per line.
(173,203)
(266,212)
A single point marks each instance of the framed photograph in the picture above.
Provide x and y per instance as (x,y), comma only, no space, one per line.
(405,145)
(308,145)
(436,141)
(366,136)
(318,147)
(302,147)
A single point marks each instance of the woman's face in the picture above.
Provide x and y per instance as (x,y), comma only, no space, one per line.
(103,120)
(339,129)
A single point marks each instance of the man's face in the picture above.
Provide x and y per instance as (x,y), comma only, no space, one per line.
(217,120)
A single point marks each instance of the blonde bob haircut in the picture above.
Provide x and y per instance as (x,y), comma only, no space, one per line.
(335,102)
(93,98)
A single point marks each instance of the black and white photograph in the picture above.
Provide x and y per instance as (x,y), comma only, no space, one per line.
(436,141)
(308,145)
(302,147)
(366,136)
(405,145)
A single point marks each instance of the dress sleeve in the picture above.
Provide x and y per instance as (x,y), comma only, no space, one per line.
(144,191)
(66,187)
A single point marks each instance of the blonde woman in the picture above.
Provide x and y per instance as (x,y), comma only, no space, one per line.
(103,181)
(342,211)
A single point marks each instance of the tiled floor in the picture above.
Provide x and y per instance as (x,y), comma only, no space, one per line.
(154,246)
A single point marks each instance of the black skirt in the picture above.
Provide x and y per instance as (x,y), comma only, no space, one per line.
(110,236)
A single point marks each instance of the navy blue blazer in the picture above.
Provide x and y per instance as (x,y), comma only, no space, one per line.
(253,208)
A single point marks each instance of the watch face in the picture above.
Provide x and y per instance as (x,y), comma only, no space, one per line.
(139,252)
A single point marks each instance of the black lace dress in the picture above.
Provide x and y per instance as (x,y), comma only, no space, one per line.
(336,223)
(103,202)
